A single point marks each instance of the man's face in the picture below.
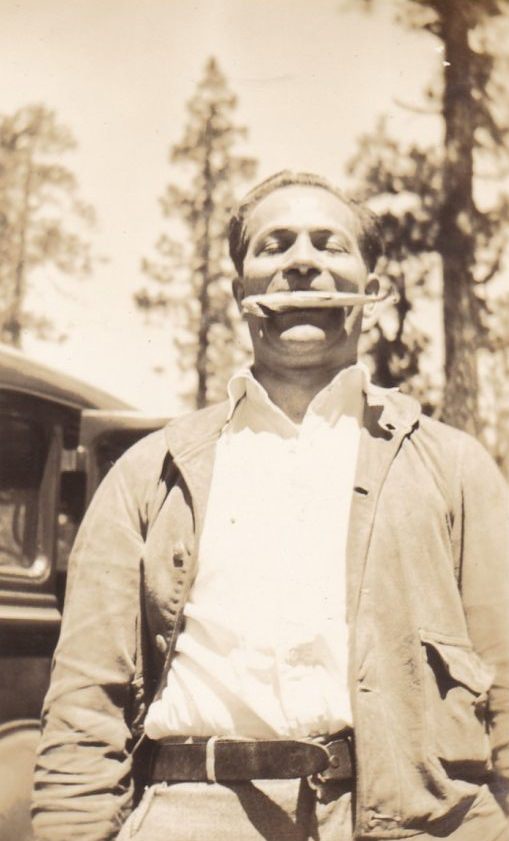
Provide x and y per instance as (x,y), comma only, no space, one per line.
(304,238)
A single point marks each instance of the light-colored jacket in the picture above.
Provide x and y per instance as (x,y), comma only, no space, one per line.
(428,604)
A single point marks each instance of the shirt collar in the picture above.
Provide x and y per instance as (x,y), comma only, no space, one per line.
(343,395)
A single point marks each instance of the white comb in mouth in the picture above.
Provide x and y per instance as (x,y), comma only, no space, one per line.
(278,302)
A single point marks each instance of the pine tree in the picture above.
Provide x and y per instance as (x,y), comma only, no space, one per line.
(192,277)
(402,182)
(445,219)
(40,214)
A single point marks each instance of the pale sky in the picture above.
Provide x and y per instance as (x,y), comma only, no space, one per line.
(310,78)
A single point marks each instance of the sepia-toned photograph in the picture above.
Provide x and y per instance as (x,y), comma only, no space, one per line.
(254,420)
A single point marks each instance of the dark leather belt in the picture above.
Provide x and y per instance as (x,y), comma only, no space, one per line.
(235,760)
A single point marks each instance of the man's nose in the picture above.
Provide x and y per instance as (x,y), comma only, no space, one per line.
(303,257)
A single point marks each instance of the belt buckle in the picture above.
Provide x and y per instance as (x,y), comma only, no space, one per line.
(340,770)
(340,760)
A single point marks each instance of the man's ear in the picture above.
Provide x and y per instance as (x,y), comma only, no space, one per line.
(373,284)
(370,311)
(238,292)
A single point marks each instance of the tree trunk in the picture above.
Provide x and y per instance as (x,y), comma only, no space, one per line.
(456,239)
(204,297)
(203,329)
(13,326)
(201,354)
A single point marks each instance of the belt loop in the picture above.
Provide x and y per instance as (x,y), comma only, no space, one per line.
(210,759)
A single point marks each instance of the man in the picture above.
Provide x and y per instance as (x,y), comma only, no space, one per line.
(291,608)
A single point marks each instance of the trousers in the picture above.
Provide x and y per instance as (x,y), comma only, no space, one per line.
(274,810)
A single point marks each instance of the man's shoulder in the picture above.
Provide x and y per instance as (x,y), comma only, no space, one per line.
(409,409)
(443,432)
(144,471)
(458,453)
(190,429)
(443,442)
(174,437)
(449,436)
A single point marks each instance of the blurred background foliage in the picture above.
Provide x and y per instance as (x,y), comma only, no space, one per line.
(445,212)
(42,218)
(446,233)
(192,273)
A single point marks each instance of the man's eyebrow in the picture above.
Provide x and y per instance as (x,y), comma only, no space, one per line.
(292,230)
(275,232)
(279,234)
(330,231)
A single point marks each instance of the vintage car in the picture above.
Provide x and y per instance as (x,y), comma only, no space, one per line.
(58,438)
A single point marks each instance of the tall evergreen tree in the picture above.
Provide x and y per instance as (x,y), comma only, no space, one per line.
(192,276)
(446,219)
(41,216)
(403,183)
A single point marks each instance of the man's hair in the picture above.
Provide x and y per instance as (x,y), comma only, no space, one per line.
(369,228)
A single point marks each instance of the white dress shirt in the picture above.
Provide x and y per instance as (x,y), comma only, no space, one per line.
(263,653)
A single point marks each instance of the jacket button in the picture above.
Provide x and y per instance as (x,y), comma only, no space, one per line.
(161,644)
(179,554)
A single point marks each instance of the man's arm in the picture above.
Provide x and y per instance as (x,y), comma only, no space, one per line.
(485,590)
(83,786)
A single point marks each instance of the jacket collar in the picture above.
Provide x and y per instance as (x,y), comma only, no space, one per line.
(389,409)
(388,417)
(191,441)
(195,431)
(386,411)
(343,394)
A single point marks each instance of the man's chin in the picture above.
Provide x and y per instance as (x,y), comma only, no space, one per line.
(304,345)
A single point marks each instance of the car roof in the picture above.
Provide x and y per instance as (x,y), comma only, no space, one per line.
(25,374)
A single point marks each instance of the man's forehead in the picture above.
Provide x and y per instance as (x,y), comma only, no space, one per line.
(296,205)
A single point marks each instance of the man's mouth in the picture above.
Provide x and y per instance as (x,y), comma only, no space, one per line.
(305,325)
(303,333)
(265,306)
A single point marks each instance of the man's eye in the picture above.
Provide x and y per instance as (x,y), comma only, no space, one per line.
(330,242)
(271,247)
(335,246)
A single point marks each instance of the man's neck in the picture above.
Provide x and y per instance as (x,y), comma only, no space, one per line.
(294,390)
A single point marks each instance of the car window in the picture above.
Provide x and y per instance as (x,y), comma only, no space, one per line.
(24,447)
(70,512)
(110,446)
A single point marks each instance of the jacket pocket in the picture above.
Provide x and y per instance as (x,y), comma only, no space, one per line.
(456,687)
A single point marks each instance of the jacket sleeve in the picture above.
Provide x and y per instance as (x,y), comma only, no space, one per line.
(485,591)
(83,785)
